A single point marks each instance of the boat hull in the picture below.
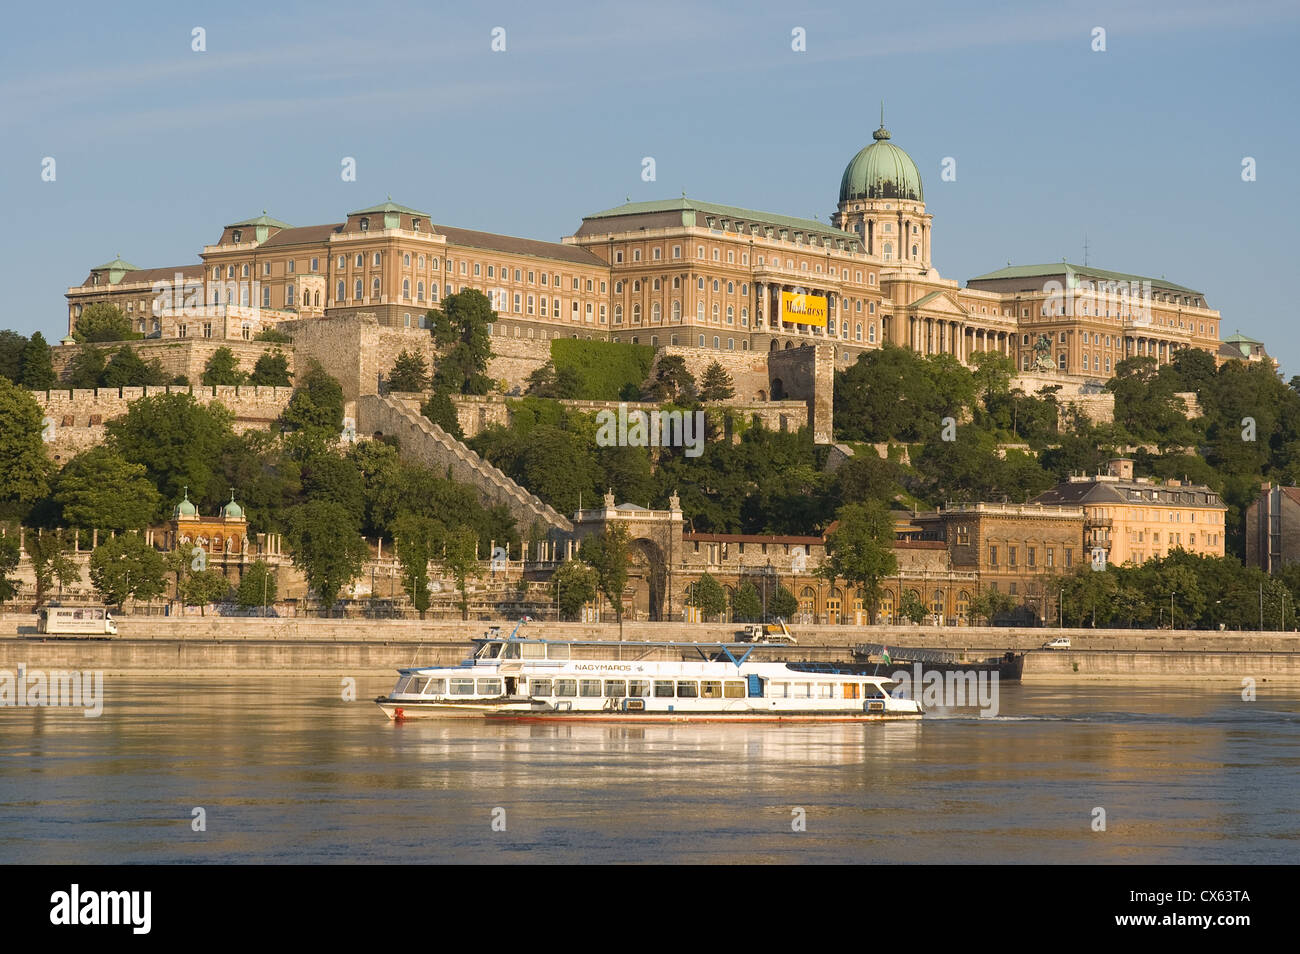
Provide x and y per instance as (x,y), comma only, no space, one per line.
(715,717)
(400,710)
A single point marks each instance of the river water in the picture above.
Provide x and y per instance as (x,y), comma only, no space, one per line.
(286,770)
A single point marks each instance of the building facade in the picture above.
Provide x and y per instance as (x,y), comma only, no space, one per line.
(676,272)
(1132,520)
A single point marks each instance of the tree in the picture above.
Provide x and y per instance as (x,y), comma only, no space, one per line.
(271,370)
(125,566)
(547,382)
(203,587)
(575,587)
(103,322)
(860,550)
(439,409)
(461,328)
(37,365)
(12,346)
(671,382)
(912,607)
(316,407)
(87,367)
(126,369)
(257,586)
(708,596)
(410,372)
(460,558)
(607,554)
(867,476)
(746,605)
(222,368)
(273,335)
(716,385)
(99,489)
(782,604)
(10,554)
(48,553)
(417,540)
(989,604)
(178,440)
(326,546)
(24,468)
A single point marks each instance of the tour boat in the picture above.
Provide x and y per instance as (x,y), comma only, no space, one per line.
(524,679)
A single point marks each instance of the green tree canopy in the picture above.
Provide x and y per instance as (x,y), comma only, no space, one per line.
(860,550)
(24,468)
(10,554)
(222,368)
(671,381)
(100,490)
(257,586)
(204,587)
(50,554)
(575,586)
(316,408)
(747,604)
(326,546)
(607,554)
(271,370)
(418,541)
(37,364)
(86,369)
(12,346)
(125,567)
(179,442)
(103,322)
(782,604)
(410,372)
(460,328)
(708,596)
(716,385)
(126,369)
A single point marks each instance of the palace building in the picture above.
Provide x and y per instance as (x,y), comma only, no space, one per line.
(676,272)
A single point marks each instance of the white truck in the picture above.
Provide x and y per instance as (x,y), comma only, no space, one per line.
(76,621)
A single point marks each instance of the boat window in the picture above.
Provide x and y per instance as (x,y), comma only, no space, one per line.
(489,687)
(687,690)
(638,687)
(615,688)
(566,687)
(436,687)
(489,651)
(417,685)
(663,690)
(710,690)
(873,692)
(539,687)
(557,651)
(589,687)
(401,685)
(462,687)
(851,690)
(734,689)
(802,690)
(779,690)
(512,651)
(825,690)
(534,650)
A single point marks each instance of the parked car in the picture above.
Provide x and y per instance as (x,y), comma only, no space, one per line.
(1060,642)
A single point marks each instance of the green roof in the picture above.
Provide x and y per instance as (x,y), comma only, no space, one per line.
(117,265)
(1238,337)
(389,206)
(1074,272)
(262,219)
(881,171)
(749,216)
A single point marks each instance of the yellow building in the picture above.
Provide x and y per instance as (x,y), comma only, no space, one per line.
(1132,520)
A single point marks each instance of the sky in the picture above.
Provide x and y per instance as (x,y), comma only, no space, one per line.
(1137,149)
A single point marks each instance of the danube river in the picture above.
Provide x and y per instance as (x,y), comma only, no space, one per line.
(285,770)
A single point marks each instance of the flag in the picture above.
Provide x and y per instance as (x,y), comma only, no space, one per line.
(884,652)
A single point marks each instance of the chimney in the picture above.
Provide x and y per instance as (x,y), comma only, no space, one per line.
(1121,467)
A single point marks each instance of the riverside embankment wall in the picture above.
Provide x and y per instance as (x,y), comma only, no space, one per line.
(347,646)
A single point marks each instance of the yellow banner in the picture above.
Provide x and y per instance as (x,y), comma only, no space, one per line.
(804,309)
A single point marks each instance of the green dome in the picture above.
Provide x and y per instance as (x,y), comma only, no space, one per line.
(185,508)
(232,509)
(881,171)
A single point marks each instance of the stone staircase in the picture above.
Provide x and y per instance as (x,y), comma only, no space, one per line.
(424,442)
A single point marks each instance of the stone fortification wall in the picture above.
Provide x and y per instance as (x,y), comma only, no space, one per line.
(187,356)
(74,420)
(424,442)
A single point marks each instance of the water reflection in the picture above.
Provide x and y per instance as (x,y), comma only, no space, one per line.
(288,771)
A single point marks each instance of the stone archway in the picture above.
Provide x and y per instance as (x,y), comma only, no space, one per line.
(647,577)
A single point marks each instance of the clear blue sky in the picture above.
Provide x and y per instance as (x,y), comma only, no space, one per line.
(1139,148)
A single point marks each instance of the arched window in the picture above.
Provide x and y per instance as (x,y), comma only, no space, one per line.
(936,603)
(677,311)
(357,291)
(656,312)
(406,287)
(699,310)
(374,288)
(419,292)
(636,313)
(618,313)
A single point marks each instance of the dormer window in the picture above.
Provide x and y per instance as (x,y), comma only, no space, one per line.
(365,223)
(415,225)
(237,236)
